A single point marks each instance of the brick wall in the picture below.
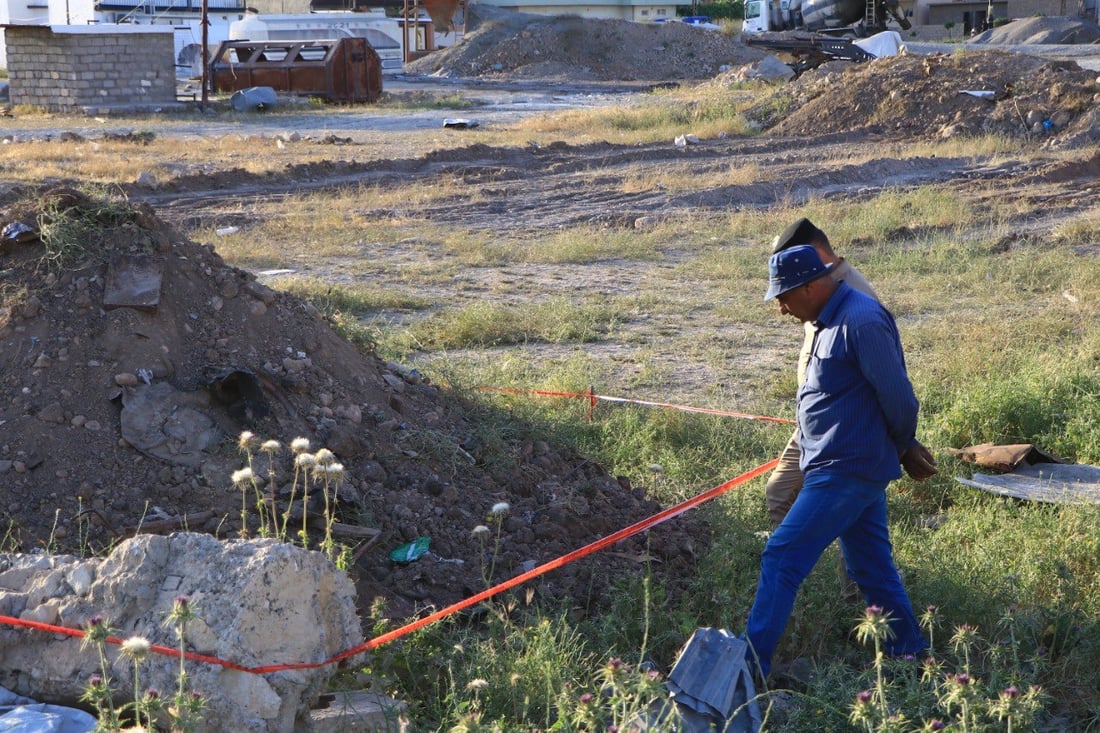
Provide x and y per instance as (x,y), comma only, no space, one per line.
(68,68)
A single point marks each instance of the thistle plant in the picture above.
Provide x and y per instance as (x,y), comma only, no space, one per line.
(186,706)
(330,474)
(271,448)
(248,443)
(136,649)
(622,702)
(874,627)
(482,532)
(930,621)
(299,447)
(305,463)
(98,691)
(243,478)
(965,640)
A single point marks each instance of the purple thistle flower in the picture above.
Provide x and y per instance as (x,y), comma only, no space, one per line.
(152,693)
(1011,692)
(586,698)
(864,697)
(874,610)
(936,724)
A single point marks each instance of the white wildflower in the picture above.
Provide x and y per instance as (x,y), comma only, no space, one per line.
(305,460)
(136,648)
(480,531)
(247,440)
(271,446)
(242,477)
(325,457)
(299,445)
(500,508)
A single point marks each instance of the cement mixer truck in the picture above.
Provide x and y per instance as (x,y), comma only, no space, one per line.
(852,18)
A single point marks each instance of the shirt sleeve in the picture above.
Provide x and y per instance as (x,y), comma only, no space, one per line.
(878,352)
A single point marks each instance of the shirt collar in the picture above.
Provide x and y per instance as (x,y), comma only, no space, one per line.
(828,313)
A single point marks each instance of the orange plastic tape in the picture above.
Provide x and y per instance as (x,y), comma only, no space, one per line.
(378,641)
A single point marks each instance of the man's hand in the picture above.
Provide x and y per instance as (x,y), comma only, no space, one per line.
(918,462)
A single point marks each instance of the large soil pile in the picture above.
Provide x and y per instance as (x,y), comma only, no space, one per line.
(1042,30)
(85,382)
(521,45)
(905,96)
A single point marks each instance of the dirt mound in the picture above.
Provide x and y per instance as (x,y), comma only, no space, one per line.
(522,45)
(968,93)
(117,415)
(1042,31)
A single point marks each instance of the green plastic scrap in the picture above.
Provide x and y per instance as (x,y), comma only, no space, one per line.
(410,551)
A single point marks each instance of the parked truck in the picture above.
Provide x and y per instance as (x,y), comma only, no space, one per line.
(855,18)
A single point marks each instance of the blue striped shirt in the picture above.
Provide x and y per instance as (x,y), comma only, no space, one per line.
(856,409)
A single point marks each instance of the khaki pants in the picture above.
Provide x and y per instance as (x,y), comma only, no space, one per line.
(784,483)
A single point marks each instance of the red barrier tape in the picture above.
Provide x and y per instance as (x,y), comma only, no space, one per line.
(378,641)
(591,397)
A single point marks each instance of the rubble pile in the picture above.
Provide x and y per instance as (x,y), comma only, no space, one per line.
(123,404)
(571,48)
(942,95)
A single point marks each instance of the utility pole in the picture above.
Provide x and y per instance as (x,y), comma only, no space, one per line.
(205,56)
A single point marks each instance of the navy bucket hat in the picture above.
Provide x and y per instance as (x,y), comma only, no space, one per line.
(793,267)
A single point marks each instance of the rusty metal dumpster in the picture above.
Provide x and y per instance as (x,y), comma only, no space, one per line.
(338,70)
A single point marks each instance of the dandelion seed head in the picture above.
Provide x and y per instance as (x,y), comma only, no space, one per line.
(242,477)
(299,445)
(136,648)
(305,460)
(247,440)
(325,457)
(480,530)
(271,446)
(499,508)
(477,684)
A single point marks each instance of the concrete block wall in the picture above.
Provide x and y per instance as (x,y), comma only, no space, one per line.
(61,71)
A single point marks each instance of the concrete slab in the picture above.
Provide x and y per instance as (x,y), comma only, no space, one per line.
(357,711)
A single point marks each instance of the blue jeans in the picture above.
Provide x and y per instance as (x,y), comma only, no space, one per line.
(831,507)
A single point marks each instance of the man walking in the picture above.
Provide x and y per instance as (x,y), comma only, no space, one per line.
(785,481)
(857,420)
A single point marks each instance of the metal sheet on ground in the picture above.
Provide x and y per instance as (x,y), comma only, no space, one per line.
(1052,483)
